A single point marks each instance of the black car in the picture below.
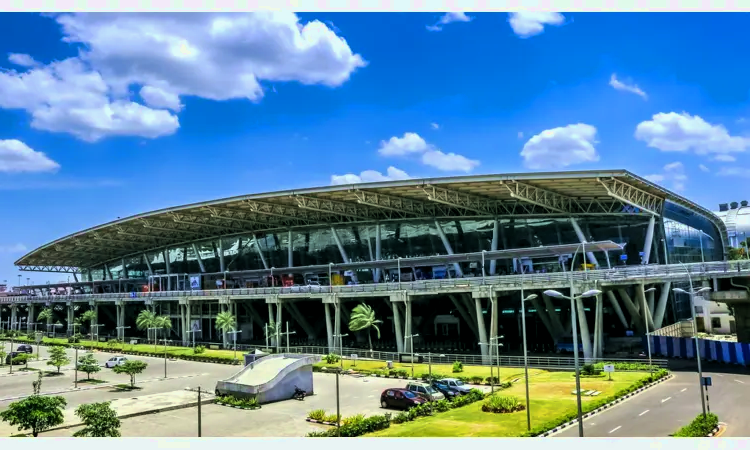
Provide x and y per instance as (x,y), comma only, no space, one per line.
(10,357)
(444,389)
(25,348)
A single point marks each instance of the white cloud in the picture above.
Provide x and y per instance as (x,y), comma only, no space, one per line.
(734,172)
(448,162)
(703,168)
(672,132)
(17,157)
(434,126)
(620,86)
(561,147)
(14,248)
(725,158)
(673,175)
(528,23)
(214,56)
(369,176)
(22,59)
(447,18)
(400,146)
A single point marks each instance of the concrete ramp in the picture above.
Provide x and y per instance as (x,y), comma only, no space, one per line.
(271,378)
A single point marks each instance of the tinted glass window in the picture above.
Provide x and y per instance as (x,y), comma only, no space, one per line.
(408,394)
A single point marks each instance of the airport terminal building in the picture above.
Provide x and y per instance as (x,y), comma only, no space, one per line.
(444,258)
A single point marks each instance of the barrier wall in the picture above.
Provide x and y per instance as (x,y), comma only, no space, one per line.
(719,351)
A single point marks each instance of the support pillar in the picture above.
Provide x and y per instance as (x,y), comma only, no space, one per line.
(198,258)
(544,317)
(448,248)
(168,269)
(630,306)
(583,328)
(493,246)
(616,307)
(14,325)
(71,317)
(30,317)
(650,302)
(582,238)
(661,307)
(222,266)
(460,307)
(329,327)
(648,243)
(554,317)
(300,319)
(124,269)
(641,296)
(397,325)
(260,252)
(409,343)
(481,327)
(279,322)
(493,329)
(342,251)
(378,272)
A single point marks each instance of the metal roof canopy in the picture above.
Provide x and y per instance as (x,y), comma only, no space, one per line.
(550,194)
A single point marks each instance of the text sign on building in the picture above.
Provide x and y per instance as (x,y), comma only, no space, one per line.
(609,368)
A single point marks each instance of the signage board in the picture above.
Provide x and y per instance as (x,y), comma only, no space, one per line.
(609,368)
(38,337)
(623,257)
(195,283)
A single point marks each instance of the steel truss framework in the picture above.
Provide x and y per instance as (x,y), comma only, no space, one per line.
(498,196)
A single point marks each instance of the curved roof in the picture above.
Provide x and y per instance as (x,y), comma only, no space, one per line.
(737,221)
(528,194)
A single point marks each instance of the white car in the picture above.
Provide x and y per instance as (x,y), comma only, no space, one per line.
(115,361)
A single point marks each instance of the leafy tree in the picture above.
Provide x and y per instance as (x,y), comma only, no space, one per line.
(37,413)
(44,316)
(2,356)
(363,318)
(164,323)
(88,364)
(99,420)
(88,317)
(226,322)
(132,367)
(58,357)
(146,319)
(271,329)
(23,358)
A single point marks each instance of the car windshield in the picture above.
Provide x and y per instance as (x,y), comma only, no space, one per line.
(430,390)
(409,394)
(459,383)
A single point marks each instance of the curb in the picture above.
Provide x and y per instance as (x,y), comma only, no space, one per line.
(716,430)
(236,407)
(28,372)
(320,422)
(604,407)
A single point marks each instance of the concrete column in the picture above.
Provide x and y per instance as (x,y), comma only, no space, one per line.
(279,322)
(493,246)
(650,301)
(337,324)
(271,320)
(630,306)
(71,317)
(583,328)
(641,297)
(30,317)
(468,318)
(198,258)
(493,328)
(260,252)
(554,317)
(544,317)
(481,327)
(742,321)
(448,248)
(582,238)
(616,307)
(168,268)
(222,266)
(329,327)
(290,250)
(300,319)
(14,317)
(648,243)
(397,325)
(189,322)
(124,269)
(378,272)
(408,343)
(661,307)
(342,251)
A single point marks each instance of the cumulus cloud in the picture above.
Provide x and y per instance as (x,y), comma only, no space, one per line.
(620,86)
(741,172)
(672,132)
(528,23)
(17,157)
(369,176)
(673,175)
(400,146)
(447,18)
(723,157)
(22,59)
(448,161)
(413,144)
(13,248)
(561,147)
(434,126)
(703,168)
(214,56)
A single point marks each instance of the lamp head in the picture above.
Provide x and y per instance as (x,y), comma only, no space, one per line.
(553,293)
(702,290)
(679,291)
(591,293)
(530,297)
(649,290)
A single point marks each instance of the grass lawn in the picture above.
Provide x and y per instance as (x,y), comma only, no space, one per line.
(506,373)
(550,394)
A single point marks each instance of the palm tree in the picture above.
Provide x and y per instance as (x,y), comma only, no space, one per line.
(45,316)
(271,332)
(88,317)
(226,322)
(164,323)
(363,318)
(146,319)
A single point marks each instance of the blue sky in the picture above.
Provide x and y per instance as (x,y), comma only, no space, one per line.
(107,116)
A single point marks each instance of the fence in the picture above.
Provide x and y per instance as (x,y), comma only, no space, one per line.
(681,329)
(710,350)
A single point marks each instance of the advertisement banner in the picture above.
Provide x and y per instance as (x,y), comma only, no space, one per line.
(195,282)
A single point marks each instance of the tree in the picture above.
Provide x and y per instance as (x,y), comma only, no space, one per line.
(226,322)
(99,420)
(132,367)
(271,332)
(88,364)
(23,358)
(2,356)
(363,318)
(88,317)
(37,413)
(146,319)
(44,316)
(164,323)
(58,357)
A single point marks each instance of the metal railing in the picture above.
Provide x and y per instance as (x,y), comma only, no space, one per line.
(623,273)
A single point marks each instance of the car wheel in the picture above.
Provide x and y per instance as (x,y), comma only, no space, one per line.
(384,404)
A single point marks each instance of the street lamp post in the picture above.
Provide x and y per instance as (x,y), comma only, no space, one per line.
(76,368)
(411,348)
(645,322)
(234,335)
(123,328)
(341,346)
(526,353)
(287,337)
(193,336)
(10,325)
(95,327)
(573,299)
(483,276)
(695,330)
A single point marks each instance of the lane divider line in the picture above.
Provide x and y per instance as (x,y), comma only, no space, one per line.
(615,429)
(644,412)
(666,399)
(683,390)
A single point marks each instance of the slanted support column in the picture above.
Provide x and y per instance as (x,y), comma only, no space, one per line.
(468,318)
(650,302)
(408,343)
(329,326)
(583,329)
(544,317)
(395,299)
(168,268)
(222,266)
(641,297)
(30,318)
(661,307)
(119,314)
(71,316)
(124,269)
(481,327)
(260,252)
(448,248)
(582,238)
(649,241)
(300,319)
(598,328)
(493,245)
(148,264)
(14,317)
(630,306)
(342,251)
(198,257)
(616,307)
(554,318)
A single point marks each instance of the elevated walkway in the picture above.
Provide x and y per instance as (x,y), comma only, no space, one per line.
(271,378)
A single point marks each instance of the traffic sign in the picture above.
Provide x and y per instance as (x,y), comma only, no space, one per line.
(609,368)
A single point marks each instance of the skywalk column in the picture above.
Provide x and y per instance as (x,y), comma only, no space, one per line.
(397,323)
(14,317)
(71,317)
(329,326)
(481,327)
(30,318)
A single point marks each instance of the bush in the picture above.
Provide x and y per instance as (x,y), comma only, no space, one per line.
(352,419)
(316,414)
(331,418)
(476,380)
(502,404)
(623,366)
(229,400)
(401,418)
(331,358)
(199,349)
(75,339)
(23,358)
(458,367)
(492,380)
(357,426)
(442,405)
(590,369)
(699,427)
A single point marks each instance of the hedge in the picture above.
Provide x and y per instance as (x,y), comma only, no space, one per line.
(701,426)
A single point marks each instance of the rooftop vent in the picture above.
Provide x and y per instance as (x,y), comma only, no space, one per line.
(734,205)
(723,207)
(743,203)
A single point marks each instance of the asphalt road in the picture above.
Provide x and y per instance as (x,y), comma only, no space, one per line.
(665,408)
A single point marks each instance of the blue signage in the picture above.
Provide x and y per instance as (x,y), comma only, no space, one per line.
(133,295)
(623,257)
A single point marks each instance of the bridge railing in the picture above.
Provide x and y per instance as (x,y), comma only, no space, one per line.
(620,273)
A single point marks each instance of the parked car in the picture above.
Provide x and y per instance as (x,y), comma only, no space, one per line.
(444,389)
(11,356)
(25,348)
(115,361)
(456,384)
(425,391)
(400,398)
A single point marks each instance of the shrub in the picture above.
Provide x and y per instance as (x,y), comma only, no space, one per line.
(357,427)
(458,367)
(442,405)
(330,418)
(199,349)
(75,339)
(23,358)
(316,414)
(590,369)
(476,380)
(331,358)
(249,403)
(352,419)
(502,404)
(400,372)
(401,418)
(492,380)
(699,427)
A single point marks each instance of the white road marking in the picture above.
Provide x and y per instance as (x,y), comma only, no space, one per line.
(615,429)
(741,382)
(644,412)
(719,375)
(666,399)
(685,389)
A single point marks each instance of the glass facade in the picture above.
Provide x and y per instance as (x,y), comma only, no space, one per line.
(690,237)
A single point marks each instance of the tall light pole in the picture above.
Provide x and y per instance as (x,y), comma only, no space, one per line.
(695,330)
(645,322)
(123,328)
(341,346)
(573,299)
(287,337)
(234,335)
(193,336)
(411,347)
(10,325)
(526,353)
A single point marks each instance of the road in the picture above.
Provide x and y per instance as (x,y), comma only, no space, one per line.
(666,407)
